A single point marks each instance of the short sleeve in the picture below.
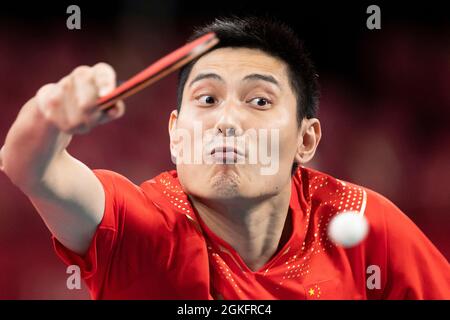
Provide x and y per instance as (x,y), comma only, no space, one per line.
(95,264)
(415,267)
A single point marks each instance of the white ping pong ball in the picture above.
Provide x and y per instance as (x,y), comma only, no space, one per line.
(347,229)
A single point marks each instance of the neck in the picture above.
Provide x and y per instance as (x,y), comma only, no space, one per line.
(256,230)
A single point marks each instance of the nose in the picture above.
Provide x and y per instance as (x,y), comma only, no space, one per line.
(229,121)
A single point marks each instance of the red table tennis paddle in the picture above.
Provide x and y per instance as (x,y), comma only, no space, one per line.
(159,69)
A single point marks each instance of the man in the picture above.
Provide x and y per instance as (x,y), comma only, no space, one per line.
(222,228)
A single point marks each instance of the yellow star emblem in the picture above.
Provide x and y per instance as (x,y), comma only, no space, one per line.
(311,292)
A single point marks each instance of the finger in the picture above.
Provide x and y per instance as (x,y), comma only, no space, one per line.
(49,98)
(115,112)
(86,92)
(66,83)
(104,77)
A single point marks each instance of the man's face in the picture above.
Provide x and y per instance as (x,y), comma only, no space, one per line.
(242,102)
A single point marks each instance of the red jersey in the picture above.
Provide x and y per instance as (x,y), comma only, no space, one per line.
(152,244)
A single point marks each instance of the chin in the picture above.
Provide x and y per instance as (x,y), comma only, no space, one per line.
(225,185)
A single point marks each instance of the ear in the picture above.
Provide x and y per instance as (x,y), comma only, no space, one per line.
(1,159)
(172,127)
(308,139)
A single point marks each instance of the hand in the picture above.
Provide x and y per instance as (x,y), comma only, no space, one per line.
(70,104)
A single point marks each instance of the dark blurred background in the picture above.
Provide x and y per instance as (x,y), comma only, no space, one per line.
(385,104)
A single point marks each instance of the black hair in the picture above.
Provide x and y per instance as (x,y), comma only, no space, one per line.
(274,38)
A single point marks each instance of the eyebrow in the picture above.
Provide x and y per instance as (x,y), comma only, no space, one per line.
(202,76)
(250,77)
(263,77)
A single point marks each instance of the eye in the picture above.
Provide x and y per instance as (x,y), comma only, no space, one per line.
(260,102)
(206,100)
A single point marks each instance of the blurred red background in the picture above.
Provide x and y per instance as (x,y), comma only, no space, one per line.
(384,110)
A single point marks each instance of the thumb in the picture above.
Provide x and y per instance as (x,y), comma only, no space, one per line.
(113,113)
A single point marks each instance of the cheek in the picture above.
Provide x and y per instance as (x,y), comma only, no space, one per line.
(186,179)
(289,145)
(288,142)
(289,127)
(286,124)
(192,116)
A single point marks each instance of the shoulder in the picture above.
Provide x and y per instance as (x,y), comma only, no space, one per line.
(387,223)
(124,194)
(162,193)
(118,186)
(390,229)
(117,182)
(344,195)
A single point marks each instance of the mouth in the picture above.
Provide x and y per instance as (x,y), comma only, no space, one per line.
(227,154)
(226,149)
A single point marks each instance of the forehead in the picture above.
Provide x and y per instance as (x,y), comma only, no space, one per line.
(239,61)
